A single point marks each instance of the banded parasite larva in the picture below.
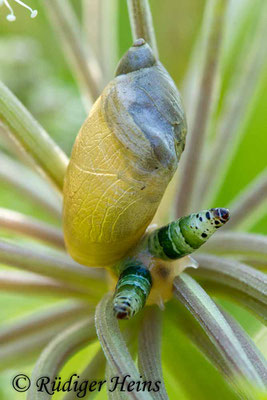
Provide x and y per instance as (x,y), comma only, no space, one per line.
(185,235)
(132,290)
(123,159)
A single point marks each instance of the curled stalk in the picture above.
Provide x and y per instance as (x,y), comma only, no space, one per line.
(195,140)
(83,62)
(32,138)
(141,23)
(22,224)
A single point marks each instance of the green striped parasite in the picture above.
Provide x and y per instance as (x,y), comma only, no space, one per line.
(186,234)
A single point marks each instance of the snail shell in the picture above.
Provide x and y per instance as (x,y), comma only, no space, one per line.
(123,159)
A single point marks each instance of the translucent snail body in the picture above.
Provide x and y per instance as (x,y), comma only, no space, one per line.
(123,159)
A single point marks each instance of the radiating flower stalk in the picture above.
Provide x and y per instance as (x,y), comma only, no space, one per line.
(230,264)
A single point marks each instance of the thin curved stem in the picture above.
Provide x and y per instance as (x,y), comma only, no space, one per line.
(205,92)
(232,273)
(83,63)
(141,22)
(242,90)
(256,307)
(100,22)
(95,370)
(238,244)
(36,322)
(189,293)
(19,223)
(32,139)
(31,284)
(149,354)
(250,199)
(57,266)
(29,184)
(58,352)
(114,346)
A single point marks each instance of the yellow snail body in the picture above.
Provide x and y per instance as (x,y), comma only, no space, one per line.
(123,159)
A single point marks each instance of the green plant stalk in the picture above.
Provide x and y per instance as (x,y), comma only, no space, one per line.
(234,274)
(59,350)
(219,331)
(195,140)
(100,22)
(83,62)
(114,346)
(149,354)
(30,284)
(26,182)
(57,266)
(19,223)
(237,108)
(34,140)
(95,369)
(246,245)
(141,23)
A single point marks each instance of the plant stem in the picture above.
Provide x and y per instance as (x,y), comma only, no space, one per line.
(100,21)
(238,105)
(31,284)
(249,200)
(32,138)
(235,243)
(38,321)
(149,355)
(232,273)
(114,346)
(141,23)
(26,182)
(20,223)
(195,140)
(59,351)
(83,63)
(196,300)
(57,266)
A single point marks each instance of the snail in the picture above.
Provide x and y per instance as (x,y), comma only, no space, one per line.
(123,159)
(171,242)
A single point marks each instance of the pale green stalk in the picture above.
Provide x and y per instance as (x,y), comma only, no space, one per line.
(19,223)
(95,370)
(250,199)
(28,183)
(149,353)
(59,350)
(29,284)
(49,159)
(233,274)
(83,62)
(248,245)
(57,266)
(205,92)
(39,320)
(219,331)
(114,346)
(238,105)
(222,290)
(100,22)
(141,22)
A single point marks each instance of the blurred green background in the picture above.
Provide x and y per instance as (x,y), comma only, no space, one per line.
(33,66)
